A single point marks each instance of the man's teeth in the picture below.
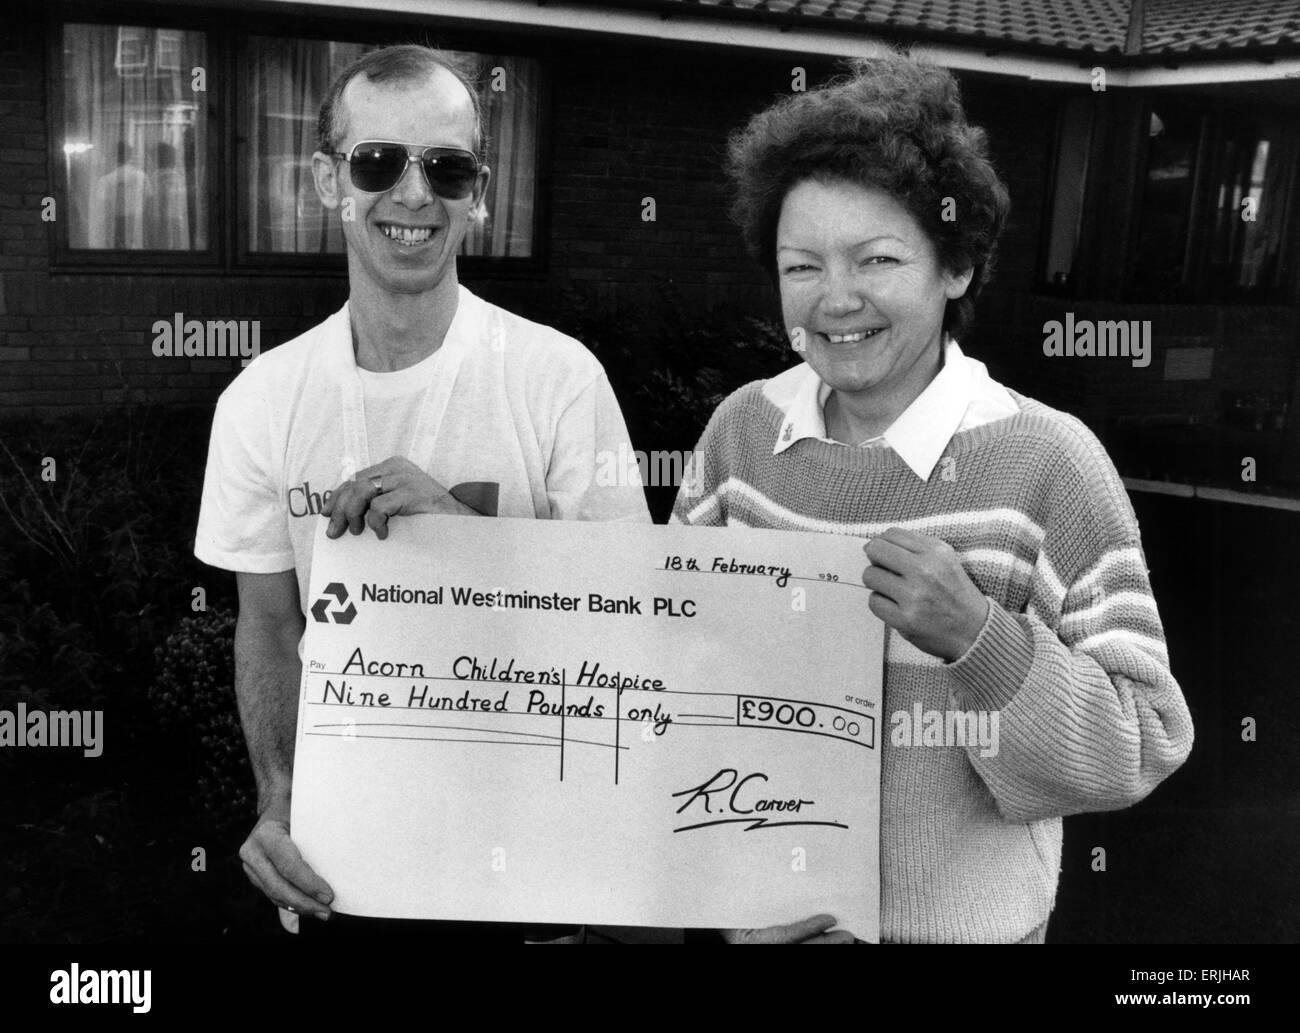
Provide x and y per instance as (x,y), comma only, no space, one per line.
(850,338)
(408,235)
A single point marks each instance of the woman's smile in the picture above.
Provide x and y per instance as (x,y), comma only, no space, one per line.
(848,336)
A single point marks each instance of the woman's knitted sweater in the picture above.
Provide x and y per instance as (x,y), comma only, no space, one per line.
(1072,657)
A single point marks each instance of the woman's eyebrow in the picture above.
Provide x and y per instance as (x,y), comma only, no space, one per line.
(850,247)
(882,236)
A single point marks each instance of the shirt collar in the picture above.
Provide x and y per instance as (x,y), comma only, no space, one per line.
(465,330)
(920,433)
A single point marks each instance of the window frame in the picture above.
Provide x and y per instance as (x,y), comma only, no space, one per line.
(64,257)
(228,253)
(1197,287)
(1042,284)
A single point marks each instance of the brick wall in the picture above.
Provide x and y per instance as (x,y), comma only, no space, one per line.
(629,121)
(1253,349)
(638,122)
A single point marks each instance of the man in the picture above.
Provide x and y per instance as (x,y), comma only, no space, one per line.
(414,386)
(120,201)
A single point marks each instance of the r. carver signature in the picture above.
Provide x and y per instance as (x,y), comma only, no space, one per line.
(738,802)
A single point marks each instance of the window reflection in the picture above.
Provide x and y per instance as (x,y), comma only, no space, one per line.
(135,138)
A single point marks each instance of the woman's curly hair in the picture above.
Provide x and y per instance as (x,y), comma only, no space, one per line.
(892,123)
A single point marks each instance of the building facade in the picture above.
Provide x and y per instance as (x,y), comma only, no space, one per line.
(158,224)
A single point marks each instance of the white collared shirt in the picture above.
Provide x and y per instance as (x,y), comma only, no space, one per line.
(962,396)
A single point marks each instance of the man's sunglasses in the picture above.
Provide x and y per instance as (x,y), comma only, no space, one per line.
(378,165)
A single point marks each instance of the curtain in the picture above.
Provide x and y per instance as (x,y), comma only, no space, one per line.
(135,138)
(1258,164)
(288,81)
(1271,183)
(510,116)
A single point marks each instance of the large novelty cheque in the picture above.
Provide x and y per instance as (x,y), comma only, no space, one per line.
(553,721)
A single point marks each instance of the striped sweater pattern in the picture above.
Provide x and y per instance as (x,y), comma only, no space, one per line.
(1072,656)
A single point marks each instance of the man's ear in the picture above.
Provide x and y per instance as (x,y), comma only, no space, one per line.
(324,173)
(480,189)
(955,284)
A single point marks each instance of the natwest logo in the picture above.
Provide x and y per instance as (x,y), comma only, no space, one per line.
(334,592)
(305,502)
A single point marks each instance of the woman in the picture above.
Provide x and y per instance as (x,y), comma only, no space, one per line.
(1004,555)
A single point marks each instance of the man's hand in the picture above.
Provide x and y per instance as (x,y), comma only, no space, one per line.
(273,864)
(810,930)
(919,588)
(388,489)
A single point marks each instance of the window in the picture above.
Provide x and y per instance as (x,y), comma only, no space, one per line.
(287,82)
(1216,199)
(1175,132)
(1251,192)
(511,110)
(1074,139)
(135,139)
(147,152)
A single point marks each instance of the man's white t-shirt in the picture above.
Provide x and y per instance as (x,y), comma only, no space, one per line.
(511,416)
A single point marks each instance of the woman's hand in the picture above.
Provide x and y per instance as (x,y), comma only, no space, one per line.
(919,588)
(810,930)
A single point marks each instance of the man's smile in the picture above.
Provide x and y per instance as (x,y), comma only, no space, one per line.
(407,236)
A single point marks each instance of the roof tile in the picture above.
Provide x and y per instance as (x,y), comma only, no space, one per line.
(1170,26)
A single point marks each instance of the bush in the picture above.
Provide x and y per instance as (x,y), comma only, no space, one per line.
(194,696)
(671,366)
(97,518)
